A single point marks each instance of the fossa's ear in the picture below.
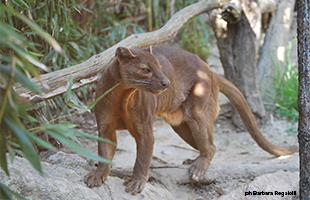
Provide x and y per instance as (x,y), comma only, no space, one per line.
(113,66)
(149,49)
(123,52)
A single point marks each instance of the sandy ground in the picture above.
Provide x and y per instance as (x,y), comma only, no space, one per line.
(232,146)
(170,150)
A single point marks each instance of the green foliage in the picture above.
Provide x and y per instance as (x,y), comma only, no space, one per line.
(27,50)
(7,193)
(82,30)
(195,38)
(159,12)
(286,88)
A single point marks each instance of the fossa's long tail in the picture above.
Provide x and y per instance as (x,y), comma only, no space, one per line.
(241,105)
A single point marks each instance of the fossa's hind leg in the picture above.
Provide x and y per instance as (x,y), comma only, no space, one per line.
(199,118)
(186,134)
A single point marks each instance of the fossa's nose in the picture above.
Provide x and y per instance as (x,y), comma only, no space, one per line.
(165,83)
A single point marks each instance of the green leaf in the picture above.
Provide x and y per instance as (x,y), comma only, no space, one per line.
(23,54)
(123,31)
(19,152)
(21,78)
(22,111)
(25,143)
(34,27)
(75,99)
(76,106)
(36,54)
(68,125)
(41,142)
(3,162)
(32,119)
(86,9)
(75,46)
(58,135)
(11,154)
(89,136)
(65,131)
(24,3)
(69,91)
(6,193)
(75,8)
(91,105)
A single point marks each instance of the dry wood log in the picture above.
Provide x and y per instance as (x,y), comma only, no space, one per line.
(216,172)
(55,83)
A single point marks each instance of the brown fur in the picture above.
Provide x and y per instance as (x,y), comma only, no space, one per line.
(173,84)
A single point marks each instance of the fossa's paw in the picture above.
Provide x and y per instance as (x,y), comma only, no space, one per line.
(95,178)
(199,168)
(134,185)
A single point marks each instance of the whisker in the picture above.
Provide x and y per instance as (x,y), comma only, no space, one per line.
(138,81)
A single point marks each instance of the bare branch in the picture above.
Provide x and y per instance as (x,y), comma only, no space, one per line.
(86,72)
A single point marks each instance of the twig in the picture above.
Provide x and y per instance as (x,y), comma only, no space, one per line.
(176,146)
(164,166)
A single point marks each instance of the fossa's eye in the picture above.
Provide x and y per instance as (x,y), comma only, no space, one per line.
(146,70)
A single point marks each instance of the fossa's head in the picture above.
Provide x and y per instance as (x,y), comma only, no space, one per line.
(141,69)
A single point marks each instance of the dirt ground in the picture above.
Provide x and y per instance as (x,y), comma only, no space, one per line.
(233,147)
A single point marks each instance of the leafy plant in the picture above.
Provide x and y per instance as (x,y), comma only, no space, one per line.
(82,30)
(286,88)
(19,62)
(195,38)
(159,12)
(19,140)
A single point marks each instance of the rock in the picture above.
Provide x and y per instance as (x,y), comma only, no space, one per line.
(69,161)
(57,183)
(281,184)
(63,179)
(64,175)
(117,189)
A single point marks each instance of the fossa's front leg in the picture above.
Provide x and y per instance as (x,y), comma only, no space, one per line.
(143,134)
(105,150)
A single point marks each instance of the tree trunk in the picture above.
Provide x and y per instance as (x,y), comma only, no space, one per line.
(303,35)
(275,42)
(238,47)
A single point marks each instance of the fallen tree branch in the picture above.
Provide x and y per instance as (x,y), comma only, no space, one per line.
(189,149)
(219,172)
(55,83)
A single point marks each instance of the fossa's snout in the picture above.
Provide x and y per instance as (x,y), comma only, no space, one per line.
(164,83)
